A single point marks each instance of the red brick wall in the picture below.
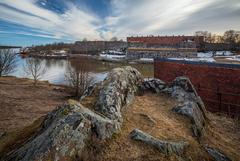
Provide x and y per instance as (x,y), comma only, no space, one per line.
(166,40)
(218,85)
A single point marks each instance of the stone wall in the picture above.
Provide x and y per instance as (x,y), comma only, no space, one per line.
(217,84)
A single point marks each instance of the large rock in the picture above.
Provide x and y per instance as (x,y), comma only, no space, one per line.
(66,130)
(118,90)
(154,85)
(190,104)
(190,109)
(166,147)
(64,134)
(217,155)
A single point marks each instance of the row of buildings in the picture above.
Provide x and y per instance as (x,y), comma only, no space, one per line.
(151,46)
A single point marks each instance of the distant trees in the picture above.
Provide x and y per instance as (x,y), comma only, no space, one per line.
(114,38)
(230,37)
(52,46)
(85,39)
(8,61)
(79,77)
(207,35)
(34,68)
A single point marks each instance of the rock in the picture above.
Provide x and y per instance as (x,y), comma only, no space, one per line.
(66,130)
(2,133)
(191,110)
(64,134)
(217,155)
(189,93)
(190,104)
(154,85)
(166,147)
(61,129)
(118,90)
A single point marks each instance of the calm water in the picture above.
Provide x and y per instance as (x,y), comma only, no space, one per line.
(56,69)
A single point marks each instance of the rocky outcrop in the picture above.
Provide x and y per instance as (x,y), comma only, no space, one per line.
(190,104)
(66,130)
(217,155)
(153,85)
(118,90)
(166,147)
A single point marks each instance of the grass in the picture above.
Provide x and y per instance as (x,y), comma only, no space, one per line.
(14,139)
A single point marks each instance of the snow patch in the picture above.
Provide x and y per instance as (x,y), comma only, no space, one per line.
(195,59)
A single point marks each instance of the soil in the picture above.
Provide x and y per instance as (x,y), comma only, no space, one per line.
(152,114)
(21,103)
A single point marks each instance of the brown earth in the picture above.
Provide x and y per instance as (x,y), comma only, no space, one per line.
(152,113)
(21,103)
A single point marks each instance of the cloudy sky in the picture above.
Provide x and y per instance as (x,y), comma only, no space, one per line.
(27,22)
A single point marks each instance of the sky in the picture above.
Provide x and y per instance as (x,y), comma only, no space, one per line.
(27,22)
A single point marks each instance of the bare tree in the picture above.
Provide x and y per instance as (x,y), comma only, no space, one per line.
(231,36)
(34,68)
(78,76)
(207,35)
(8,61)
(84,39)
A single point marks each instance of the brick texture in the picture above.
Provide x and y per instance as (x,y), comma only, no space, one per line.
(217,84)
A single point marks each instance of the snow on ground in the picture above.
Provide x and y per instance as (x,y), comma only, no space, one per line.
(204,55)
(146,59)
(224,53)
(211,54)
(235,58)
(112,56)
(195,59)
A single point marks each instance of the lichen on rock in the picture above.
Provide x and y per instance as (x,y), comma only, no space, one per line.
(166,147)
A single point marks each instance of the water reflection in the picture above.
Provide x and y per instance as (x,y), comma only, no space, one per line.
(56,69)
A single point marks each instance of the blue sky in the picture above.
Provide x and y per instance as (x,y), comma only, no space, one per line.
(27,22)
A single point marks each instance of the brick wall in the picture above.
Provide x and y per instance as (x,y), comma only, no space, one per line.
(166,40)
(217,84)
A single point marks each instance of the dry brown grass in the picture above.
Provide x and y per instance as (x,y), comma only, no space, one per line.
(16,138)
(21,103)
(152,114)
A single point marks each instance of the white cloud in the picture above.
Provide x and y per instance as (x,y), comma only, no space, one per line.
(74,24)
(128,17)
(144,17)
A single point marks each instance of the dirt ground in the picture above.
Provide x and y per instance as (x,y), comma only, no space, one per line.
(21,103)
(152,114)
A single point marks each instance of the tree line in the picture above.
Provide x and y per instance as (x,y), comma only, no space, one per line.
(229,37)
(52,46)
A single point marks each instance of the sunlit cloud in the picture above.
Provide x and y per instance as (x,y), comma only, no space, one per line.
(74,21)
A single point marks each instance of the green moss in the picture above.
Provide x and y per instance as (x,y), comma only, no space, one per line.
(65,111)
(115,136)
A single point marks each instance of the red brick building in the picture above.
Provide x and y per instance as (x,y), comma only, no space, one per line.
(168,41)
(164,46)
(216,83)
